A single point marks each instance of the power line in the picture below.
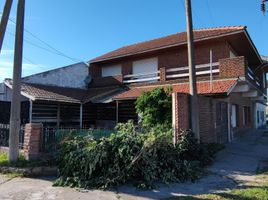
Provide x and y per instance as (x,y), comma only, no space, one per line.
(48,45)
(55,51)
(36,45)
(24,57)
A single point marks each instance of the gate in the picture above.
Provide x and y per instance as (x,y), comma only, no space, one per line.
(222,122)
(4,135)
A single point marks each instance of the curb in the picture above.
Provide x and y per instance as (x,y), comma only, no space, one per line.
(32,171)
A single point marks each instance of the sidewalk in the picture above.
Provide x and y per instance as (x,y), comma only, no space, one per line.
(235,166)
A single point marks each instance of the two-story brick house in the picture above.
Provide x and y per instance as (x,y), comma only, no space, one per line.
(231,80)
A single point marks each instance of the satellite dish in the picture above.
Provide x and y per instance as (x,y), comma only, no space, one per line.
(88,80)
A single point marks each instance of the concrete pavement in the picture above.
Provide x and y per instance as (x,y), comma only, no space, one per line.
(235,166)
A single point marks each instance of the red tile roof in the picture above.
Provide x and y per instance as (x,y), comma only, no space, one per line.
(218,87)
(164,42)
(61,94)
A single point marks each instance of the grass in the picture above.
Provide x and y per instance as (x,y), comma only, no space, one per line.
(257,190)
(22,162)
(12,175)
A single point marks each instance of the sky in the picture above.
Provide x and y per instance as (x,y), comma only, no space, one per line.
(61,32)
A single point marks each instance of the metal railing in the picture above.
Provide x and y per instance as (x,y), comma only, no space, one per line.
(4,135)
(144,77)
(53,136)
(253,77)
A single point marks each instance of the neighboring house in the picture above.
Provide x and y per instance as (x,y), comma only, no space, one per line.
(231,103)
(57,97)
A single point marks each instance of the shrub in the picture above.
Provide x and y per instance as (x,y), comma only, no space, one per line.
(155,107)
(139,156)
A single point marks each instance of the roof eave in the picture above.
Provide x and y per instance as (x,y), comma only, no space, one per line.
(22,93)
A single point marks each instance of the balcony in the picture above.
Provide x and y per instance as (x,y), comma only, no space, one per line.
(225,68)
(166,74)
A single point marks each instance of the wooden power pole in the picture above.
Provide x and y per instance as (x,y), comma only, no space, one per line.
(4,21)
(16,85)
(192,75)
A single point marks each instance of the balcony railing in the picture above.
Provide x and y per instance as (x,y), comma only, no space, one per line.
(183,72)
(253,77)
(144,77)
(172,73)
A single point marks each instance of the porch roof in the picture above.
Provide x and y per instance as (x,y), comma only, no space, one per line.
(63,94)
(204,87)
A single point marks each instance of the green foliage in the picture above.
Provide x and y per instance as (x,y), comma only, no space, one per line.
(4,160)
(21,163)
(155,107)
(139,156)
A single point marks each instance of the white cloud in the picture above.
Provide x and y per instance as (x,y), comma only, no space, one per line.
(6,65)
(6,69)
(6,52)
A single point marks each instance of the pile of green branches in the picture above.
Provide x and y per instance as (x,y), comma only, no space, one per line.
(141,157)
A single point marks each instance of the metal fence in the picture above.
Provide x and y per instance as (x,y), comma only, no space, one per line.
(53,136)
(4,135)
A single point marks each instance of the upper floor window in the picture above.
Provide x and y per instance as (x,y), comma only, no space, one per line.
(145,66)
(113,70)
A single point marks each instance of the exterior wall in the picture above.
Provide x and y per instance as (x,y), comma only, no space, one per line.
(207,120)
(211,131)
(260,119)
(7,94)
(72,76)
(180,113)
(179,57)
(168,58)
(237,99)
(232,67)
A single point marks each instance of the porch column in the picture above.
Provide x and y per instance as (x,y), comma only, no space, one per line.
(254,116)
(230,135)
(117,105)
(58,115)
(81,116)
(30,111)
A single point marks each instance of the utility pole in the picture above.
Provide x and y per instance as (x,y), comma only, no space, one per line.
(16,85)
(192,75)
(4,21)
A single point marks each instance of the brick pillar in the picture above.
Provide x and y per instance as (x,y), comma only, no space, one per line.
(32,140)
(162,74)
(180,113)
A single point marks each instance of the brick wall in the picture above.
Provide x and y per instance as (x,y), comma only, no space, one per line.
(106,81)
(169,58)
(207,113)
(207,119)
(232,67)
(179,57)
(126,68)
(32,140)
(180,113)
